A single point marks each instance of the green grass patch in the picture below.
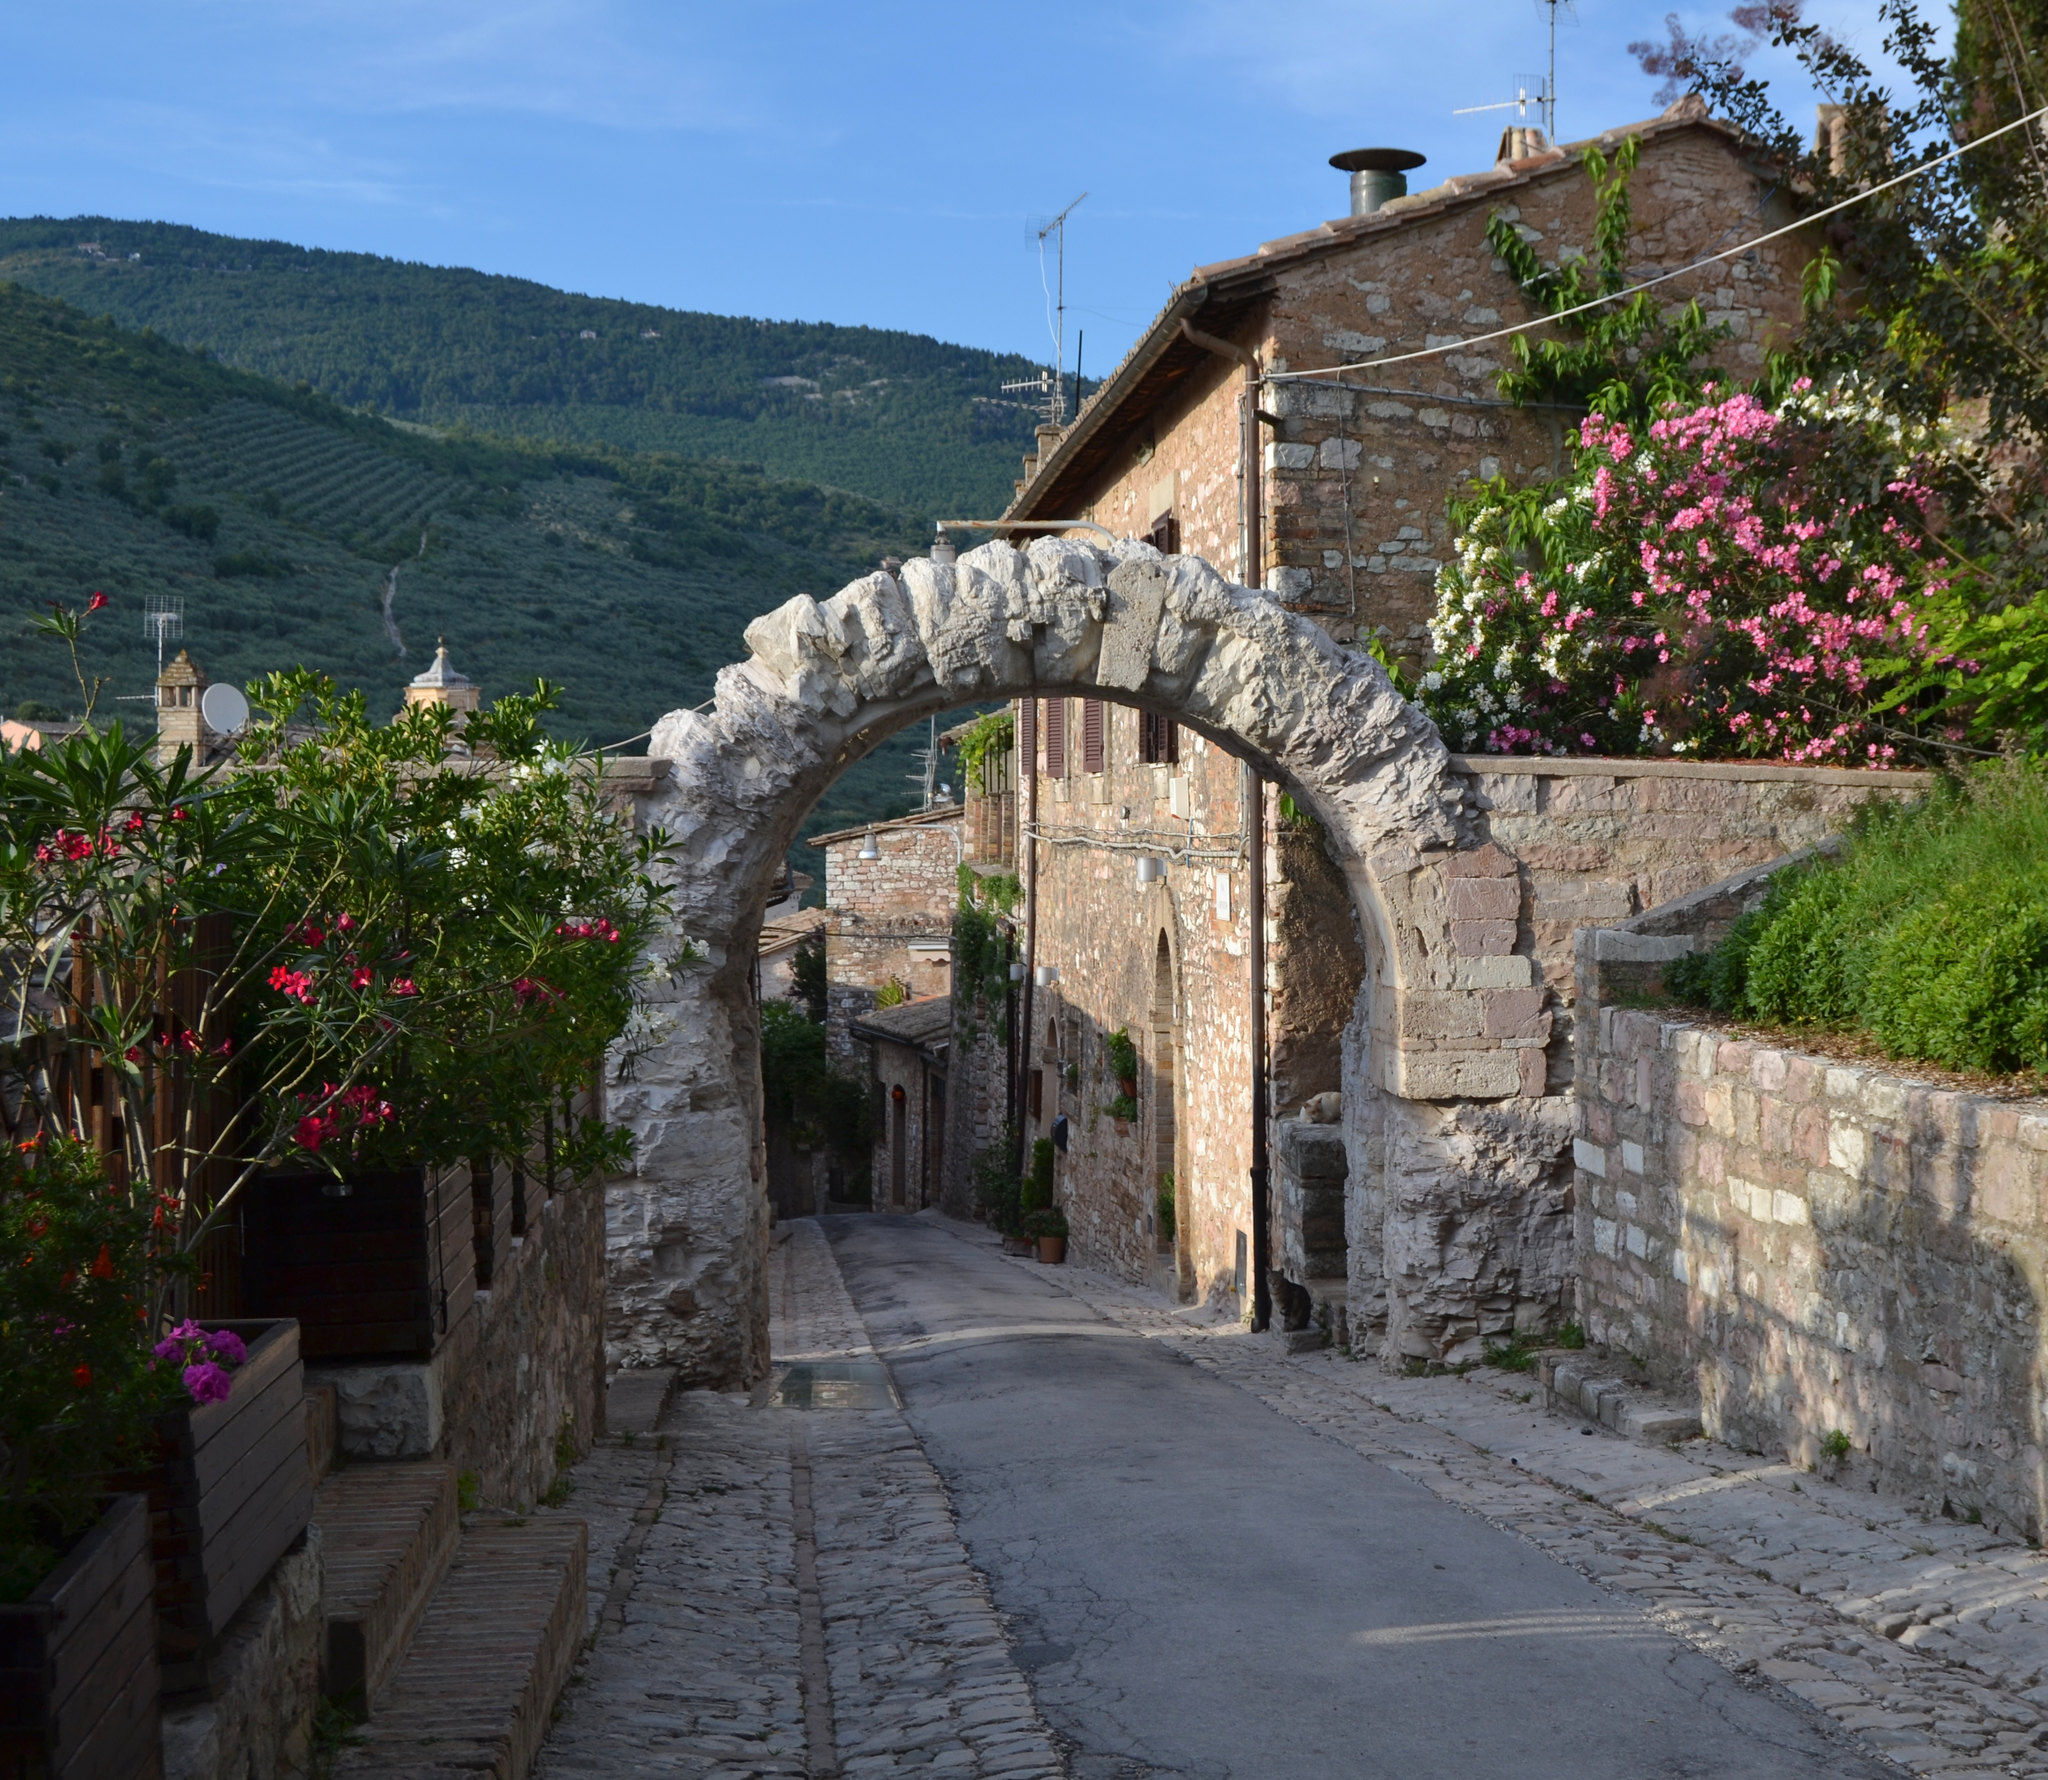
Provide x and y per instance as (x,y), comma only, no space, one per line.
(1928,931)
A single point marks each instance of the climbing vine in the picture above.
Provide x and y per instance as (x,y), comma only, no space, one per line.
(992,735)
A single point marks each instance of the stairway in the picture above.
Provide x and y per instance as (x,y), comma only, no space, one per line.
(452,1643)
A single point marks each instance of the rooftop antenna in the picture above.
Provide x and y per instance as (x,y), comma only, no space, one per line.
(1533,89)
(1056,319)
(163,617)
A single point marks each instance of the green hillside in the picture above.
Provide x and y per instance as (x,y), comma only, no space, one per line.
(133,466)
(898,417)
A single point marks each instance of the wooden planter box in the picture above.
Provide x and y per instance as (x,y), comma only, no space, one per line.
(232,1496)
(384,1272)
(78,1669)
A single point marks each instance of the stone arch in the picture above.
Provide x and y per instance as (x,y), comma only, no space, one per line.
(825,682)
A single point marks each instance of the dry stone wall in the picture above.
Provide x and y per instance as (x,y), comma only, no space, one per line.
(1817,1248)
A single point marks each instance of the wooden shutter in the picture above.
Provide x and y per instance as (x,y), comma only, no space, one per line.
(1056,738)
(1091,735)
(1158,740)
(1027,738)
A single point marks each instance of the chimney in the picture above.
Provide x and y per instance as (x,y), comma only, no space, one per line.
(1518,142)
(178,721)
(1377,175)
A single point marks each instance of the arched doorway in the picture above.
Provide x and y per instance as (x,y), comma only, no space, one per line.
(826,682)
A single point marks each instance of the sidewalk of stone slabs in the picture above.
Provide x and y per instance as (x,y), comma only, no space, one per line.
(1926,1639)
(694,1669)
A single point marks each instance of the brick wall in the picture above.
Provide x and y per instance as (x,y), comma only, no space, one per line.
(890,919)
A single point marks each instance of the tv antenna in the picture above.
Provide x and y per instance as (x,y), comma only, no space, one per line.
(1055,397)
(1533,89)
(163,617)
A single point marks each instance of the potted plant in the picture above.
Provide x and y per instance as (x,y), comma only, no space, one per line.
(1047,1227)
(1121,1052)
(79,1397)
(1034,1197)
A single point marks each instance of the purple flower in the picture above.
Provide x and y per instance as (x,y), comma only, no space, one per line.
(173,1345)
(227,1346)
(208,1383)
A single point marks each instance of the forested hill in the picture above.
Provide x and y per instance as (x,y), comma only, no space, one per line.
(899,417)
(291,529)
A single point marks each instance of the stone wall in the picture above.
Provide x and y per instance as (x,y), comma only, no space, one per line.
(532,1397)
(1813,1246)
(1817,1247)
(522,1371)
(1459,1220)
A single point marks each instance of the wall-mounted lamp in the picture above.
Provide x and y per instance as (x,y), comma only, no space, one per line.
(1046,975)
(1151,870)
(868,847)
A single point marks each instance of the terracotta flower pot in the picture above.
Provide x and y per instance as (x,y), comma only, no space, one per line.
(1052,1250)
(1127,1086)
(78,1671)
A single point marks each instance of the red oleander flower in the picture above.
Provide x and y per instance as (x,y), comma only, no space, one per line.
(98,603)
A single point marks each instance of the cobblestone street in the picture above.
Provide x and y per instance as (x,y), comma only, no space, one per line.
(795,1599)
(1102,1537)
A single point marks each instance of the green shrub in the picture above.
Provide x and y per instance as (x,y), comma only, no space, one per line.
(1929,931)
(202,523)
(1048,1220)
(1162,1207)
(1037,1194)
(997,1190)
(1120,1051)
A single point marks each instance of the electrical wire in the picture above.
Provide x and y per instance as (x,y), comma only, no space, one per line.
(1742,247)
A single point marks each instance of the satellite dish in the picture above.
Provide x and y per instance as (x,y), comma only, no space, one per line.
(225,709)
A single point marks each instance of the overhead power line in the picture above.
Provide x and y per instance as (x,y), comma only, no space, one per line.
(1742,247)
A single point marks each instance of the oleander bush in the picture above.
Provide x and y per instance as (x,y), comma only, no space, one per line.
(1928,931)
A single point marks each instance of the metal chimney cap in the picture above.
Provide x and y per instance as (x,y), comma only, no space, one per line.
(1377,160)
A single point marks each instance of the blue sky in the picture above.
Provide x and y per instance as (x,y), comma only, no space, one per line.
(850,162)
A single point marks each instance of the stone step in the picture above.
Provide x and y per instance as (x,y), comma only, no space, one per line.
(475,1692)
(636,1398)
(387,1535)
(1582,1384)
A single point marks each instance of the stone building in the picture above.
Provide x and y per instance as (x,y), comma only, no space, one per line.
(1145,835)
(889,895)
(907,1069)
(441,683)
(1354,469)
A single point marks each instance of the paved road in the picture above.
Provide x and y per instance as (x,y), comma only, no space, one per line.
(1199,1587)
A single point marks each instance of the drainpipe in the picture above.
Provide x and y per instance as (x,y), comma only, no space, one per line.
(1262,1220)
(1025,731)
(1255,831)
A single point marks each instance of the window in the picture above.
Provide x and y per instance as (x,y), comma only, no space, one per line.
(1092,727)
(1056,738)
(1158,740)
(1164,536)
